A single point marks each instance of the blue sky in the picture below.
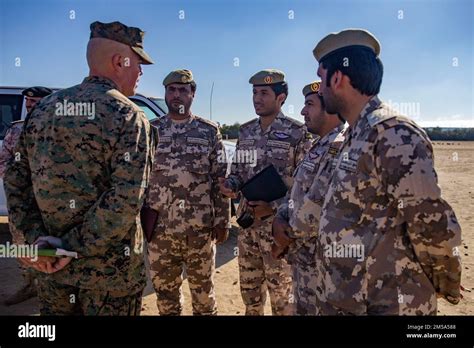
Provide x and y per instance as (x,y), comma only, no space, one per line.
(426,48)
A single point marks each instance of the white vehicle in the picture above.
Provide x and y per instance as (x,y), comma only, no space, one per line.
(12,108)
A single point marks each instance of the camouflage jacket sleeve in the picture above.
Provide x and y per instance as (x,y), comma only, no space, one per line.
(218,161)
(282,211)
(116,210)
(301,148)
(235,176)
(153,145)
(23,211)
(406,167)
(6,153)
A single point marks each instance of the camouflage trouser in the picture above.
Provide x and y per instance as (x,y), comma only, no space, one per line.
(304,283)
(303,265)
(172,249)
(259,271)
(60,299)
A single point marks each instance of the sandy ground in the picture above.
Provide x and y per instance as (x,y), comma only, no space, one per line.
(455,166)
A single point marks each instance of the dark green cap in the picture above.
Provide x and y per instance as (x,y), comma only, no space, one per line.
(179,76)
(119,32)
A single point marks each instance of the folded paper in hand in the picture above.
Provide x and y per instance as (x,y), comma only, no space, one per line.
(57,253)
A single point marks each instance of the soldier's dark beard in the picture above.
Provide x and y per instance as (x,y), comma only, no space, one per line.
(182,109)
(334,105)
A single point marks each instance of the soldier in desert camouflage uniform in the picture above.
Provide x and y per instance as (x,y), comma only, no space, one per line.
(32,96)
(388,243)
(296,223)
(184,190)
(84,160)
(282,141)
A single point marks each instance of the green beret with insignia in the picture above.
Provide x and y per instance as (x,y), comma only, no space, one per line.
(119,32)
(313,87)
(335,42)
(182,76)
(267,77)
(37,92)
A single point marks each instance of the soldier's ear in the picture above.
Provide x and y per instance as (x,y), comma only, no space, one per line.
(117,62)
(281,98)
(337,79)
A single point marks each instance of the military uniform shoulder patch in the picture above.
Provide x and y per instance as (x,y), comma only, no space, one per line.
(206,121)
(294,122)
(380,115)
(248,123)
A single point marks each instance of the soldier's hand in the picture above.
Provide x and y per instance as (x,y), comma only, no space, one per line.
(278,252)
(261,209)
(220,234)
(60,263)
(225,189)
(40,263)
(279,228)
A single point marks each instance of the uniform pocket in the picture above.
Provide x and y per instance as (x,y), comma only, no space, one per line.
(197,158)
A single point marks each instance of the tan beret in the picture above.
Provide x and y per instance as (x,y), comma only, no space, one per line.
(179,76)
(313,87)
(119,32)
(346,38)
(267,77)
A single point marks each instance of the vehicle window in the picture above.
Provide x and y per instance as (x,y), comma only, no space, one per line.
(150,114)
(10,110)
(160,102)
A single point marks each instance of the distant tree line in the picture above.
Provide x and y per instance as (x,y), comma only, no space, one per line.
(435,133)
(230,131)
(439,133)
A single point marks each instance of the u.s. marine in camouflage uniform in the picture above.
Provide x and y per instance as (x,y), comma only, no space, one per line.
(388,243)
(80,181)
(189,159)
(276,139)
(299,213)
(32,96)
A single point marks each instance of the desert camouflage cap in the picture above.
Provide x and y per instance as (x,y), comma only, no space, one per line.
(346,38)
(267,77)
(313,87)
(179,76)
(37,92)
(119,32)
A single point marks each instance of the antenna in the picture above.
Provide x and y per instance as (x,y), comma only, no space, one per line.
(210,101)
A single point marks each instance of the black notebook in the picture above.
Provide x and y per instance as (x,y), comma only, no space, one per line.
(266,186)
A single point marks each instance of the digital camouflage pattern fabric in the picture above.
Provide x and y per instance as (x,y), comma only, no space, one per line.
(82,178)
(9,143)
(301,209)
(184,190)
(387,241)
(283,144)
(55,299)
